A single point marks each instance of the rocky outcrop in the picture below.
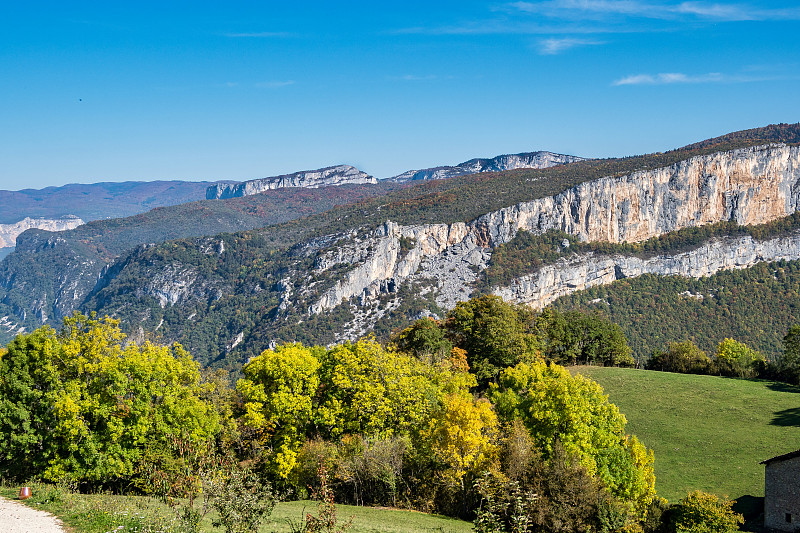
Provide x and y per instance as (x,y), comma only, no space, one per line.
(496,164)
(312,179)
(10,232)
(386,266)
(589,270)
(750,186)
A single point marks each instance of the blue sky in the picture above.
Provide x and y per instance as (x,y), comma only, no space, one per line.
(110,91)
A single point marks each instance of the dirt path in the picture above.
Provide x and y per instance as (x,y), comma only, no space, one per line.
(18,518)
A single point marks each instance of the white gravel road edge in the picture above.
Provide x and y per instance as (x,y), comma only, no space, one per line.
(16,517)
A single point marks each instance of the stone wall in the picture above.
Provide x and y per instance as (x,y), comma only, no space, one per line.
(782,495)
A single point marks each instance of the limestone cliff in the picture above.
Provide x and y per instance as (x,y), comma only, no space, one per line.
(10,232)
(751,186)
(324,177)
(585,271)
(495,164)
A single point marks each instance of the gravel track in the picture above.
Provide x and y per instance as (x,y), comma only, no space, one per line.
(18,518)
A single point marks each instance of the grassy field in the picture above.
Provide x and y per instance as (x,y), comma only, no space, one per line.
(100,513)
(708,433)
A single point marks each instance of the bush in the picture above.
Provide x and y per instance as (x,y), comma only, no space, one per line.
(736,359)
(548,496)
(681,357)
(700,512)
(242,500)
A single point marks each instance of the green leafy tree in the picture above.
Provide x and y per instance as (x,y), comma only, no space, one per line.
(368,389)
(494,334)
(736,359)
(573,411)
(582,338)
(78,404)
(789,364)
(279,388)
(424,338)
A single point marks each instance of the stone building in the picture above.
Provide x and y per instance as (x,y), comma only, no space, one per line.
(782,492)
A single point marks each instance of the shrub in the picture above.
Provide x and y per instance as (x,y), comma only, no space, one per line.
(681,357)
(700,512)
(242,500)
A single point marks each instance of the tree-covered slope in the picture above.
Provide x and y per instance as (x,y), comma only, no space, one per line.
(755,305)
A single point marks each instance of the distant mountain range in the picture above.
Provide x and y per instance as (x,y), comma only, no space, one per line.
(228,278)
(495,164)
(349,175)
(97,201)
(49,208)
(311,179)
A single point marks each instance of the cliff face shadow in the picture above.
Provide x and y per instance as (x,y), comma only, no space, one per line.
(786,418)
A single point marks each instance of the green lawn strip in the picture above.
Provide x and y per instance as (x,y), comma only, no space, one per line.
(367,519)
(99,513)
(707,433)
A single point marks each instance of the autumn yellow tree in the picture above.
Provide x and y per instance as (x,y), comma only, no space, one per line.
(462,435)
(279,387)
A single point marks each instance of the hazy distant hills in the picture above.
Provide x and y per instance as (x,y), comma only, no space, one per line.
(97,201)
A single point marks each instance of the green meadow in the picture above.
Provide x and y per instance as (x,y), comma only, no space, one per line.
(100,513)
(708,433)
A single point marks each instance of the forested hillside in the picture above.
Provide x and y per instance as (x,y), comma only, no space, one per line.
(755,306)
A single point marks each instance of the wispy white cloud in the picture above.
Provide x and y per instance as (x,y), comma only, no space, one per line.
(274,84)
(736,12)
(505,27)
(666,78)
(260,34)
(593,9)
(557,45)
(556,8)
(414,77)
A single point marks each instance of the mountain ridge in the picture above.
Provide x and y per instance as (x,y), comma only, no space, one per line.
(258,286)
(538,160)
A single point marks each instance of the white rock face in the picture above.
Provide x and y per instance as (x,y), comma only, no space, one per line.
(751,186)
(311,179)
(585,271)
(10,232)
(496,164)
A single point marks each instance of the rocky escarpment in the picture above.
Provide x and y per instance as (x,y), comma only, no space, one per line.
(585,271)
(496,164)
(10,232)
(324,177)
(750,186)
